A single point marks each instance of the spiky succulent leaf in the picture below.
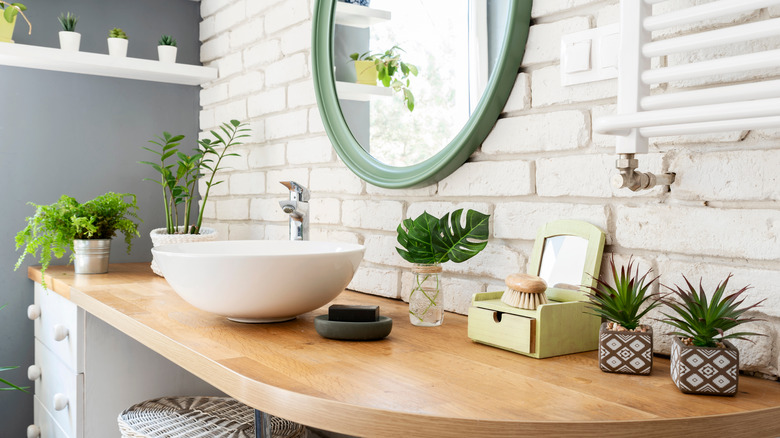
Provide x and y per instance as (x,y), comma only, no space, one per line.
(68,21)
(167,40)
(707,321)
(628,301)
(431,240)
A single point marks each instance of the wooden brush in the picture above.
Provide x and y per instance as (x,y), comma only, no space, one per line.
(524,291)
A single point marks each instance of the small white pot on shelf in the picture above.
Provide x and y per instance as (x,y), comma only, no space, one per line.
(167,54)
(70,41)
(117,47)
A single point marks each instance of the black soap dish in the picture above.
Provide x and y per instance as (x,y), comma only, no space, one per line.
(351,330)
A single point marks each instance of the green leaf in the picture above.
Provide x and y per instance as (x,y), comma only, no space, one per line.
(354,56)
(427,239)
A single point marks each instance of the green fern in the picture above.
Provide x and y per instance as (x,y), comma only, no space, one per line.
(53,227)
(167,40)
(706,322)
(623,304)
(117,33)
(68,22)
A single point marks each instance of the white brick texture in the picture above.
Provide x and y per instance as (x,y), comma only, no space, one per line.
(541,162)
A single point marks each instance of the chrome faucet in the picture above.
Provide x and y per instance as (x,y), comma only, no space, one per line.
(298,209)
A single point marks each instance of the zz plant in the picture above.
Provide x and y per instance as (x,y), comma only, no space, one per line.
(53,228)
(393,72)
(705,322)
(628,301)
(179,179)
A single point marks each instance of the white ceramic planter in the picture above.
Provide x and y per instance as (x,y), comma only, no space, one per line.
(70,41)
(117,47)
(167,54)
(160,237)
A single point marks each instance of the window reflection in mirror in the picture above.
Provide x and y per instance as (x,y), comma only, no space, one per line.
(563,261)
(454,44)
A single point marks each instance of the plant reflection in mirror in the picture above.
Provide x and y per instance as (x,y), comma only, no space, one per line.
(393,72)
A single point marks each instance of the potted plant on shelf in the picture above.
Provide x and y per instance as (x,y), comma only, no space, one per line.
(70,40)
(10,12)
(84,229)
(386,67)
(117,42)
(625,345)
(179,180)
(427,242)
(166,49)
(703,361)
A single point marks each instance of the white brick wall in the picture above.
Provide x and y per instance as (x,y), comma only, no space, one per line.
(542,162)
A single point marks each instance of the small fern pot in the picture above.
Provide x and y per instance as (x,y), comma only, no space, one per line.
(705,370)
(70,41)
(167,54)
(90,256)
(625,352)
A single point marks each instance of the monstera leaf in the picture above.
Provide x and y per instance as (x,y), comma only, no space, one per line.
(431,240)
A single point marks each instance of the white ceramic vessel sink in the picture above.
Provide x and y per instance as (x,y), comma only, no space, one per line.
(259,280)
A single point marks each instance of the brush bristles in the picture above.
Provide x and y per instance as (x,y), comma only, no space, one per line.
(523,300)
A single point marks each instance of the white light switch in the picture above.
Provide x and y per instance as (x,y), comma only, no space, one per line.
(590,55)
(608,50)
(577,57)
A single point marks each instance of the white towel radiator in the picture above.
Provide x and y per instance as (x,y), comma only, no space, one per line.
(754,105)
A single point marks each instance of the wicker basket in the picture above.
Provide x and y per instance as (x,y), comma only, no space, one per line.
(160,237)
(201,417)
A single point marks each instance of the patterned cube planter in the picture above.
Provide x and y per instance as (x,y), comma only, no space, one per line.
(705,370)
(625,352)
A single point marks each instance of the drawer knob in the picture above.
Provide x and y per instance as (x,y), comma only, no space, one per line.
(60,332)
(33,431)
(34,372)
(60,401)
(33,312)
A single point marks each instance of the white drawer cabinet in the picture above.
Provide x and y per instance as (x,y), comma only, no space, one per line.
(87,372)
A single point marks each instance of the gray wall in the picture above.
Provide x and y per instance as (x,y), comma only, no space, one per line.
(80,135)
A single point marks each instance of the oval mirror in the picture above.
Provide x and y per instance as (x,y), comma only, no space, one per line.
(420,127)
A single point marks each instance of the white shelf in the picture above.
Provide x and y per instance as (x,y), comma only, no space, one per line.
(46,58)
(349,14)
(361,92)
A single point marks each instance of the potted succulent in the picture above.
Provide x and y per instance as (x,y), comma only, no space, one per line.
(179,180)
(625,345)
(84,229)
(427,242)
(10,12)
(70,40)
(703,361)
(117,42)
(386,67)
(166,49)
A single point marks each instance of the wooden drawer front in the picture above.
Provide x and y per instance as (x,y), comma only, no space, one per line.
(45,422)
(58,381)
(513,332)
(56,311)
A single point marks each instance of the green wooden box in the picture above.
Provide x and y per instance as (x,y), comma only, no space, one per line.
(563,326)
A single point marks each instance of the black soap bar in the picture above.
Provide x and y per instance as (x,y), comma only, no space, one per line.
(342,312)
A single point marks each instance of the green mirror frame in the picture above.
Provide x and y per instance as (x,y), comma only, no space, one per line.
(465,142)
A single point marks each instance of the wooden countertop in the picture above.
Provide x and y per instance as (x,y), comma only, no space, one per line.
(419,382)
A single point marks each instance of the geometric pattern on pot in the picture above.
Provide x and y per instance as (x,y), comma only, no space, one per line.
(625,352)
(705,370)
